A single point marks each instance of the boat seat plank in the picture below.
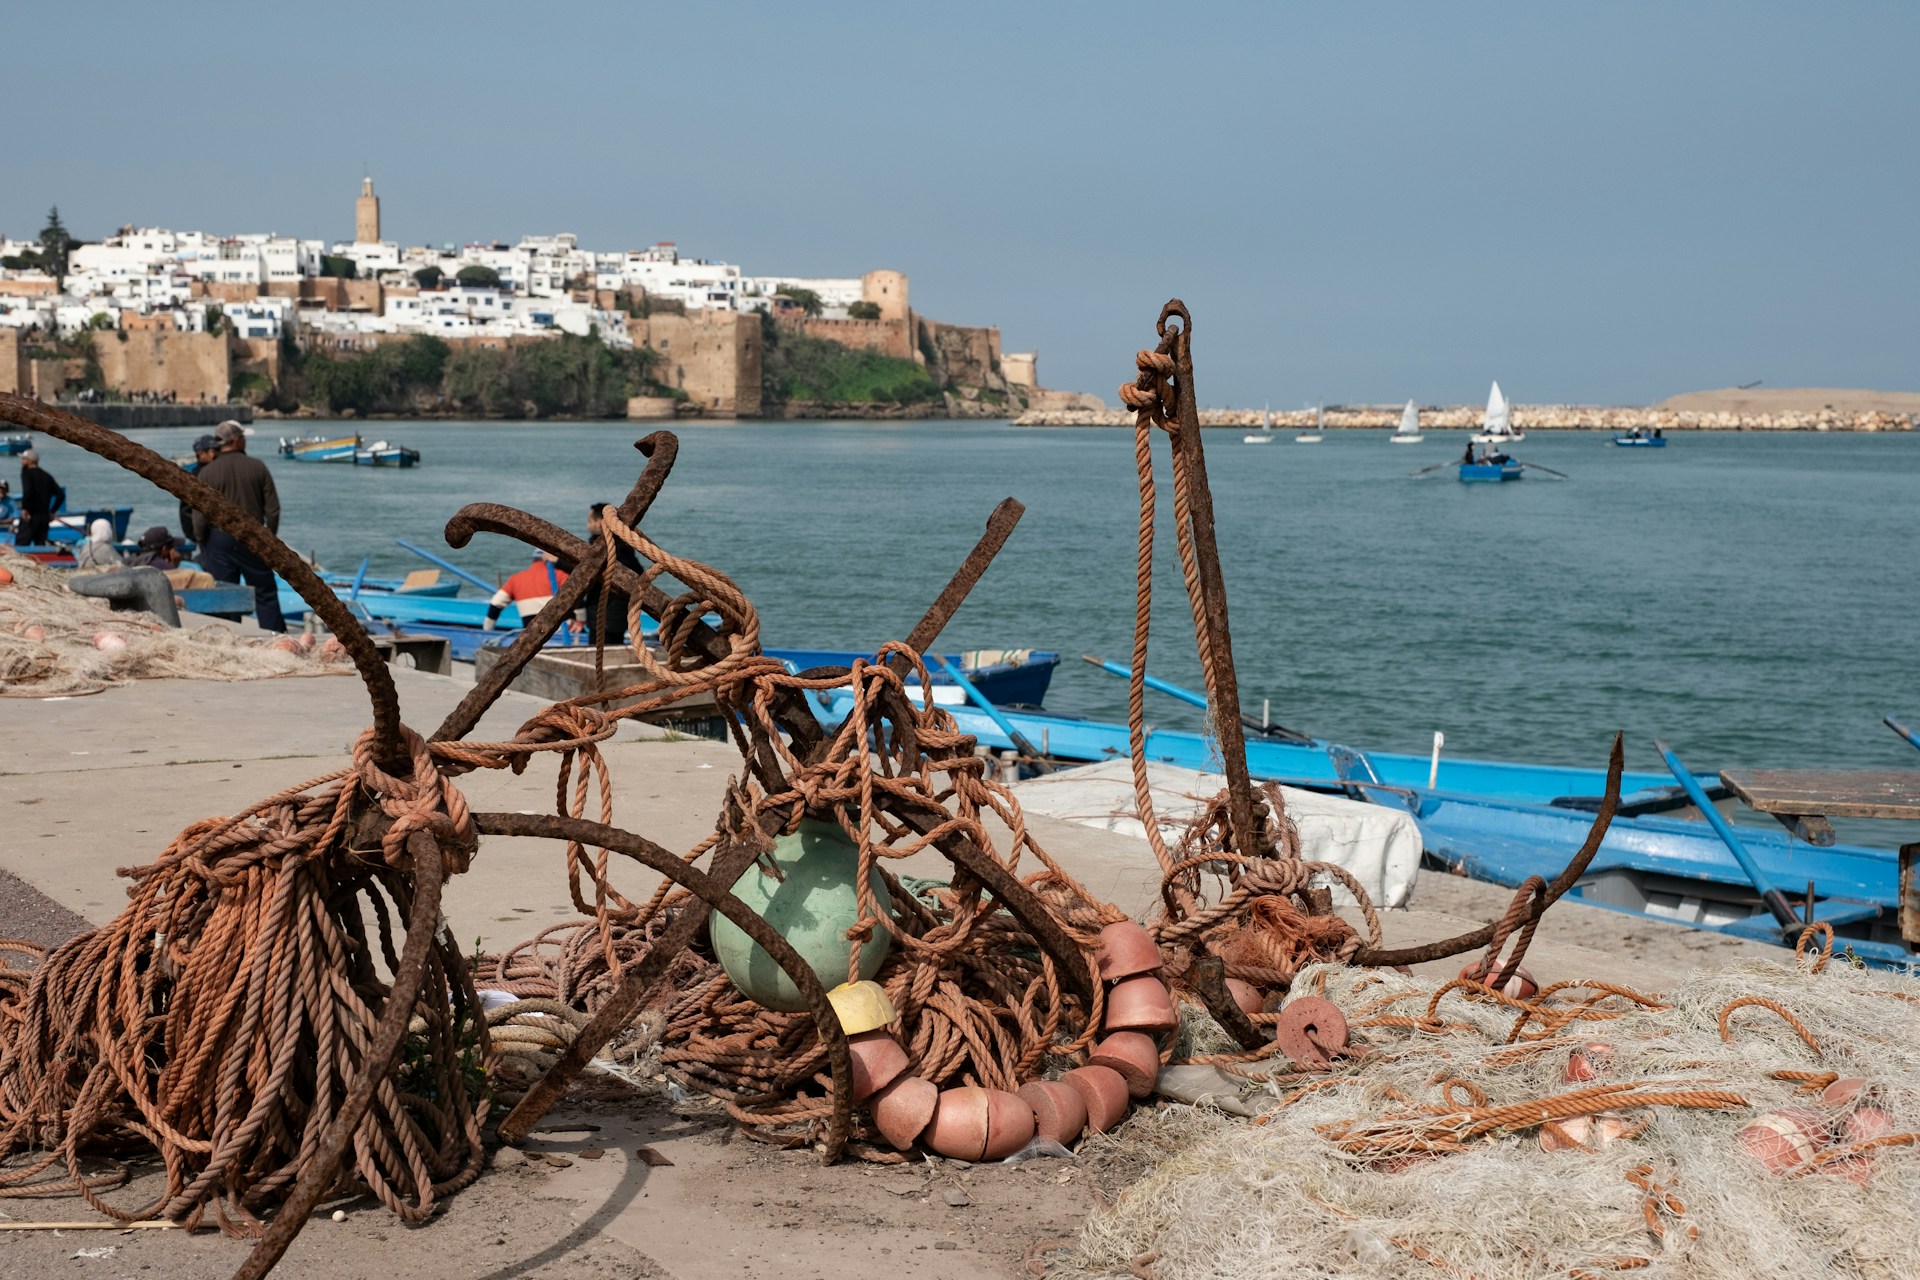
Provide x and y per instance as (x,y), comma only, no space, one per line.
(1830,793)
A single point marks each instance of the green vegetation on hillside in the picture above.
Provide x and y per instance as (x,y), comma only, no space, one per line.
(794,366)
(562,376)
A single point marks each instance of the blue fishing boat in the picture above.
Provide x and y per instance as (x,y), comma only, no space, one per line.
(1640,438)
(382,454)
(15,444)
(319,448)
(1008,677)
(1664,868)
(1308,762)
(422,582)
(1490,471)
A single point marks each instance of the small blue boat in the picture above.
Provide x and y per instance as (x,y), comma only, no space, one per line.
(15,444)
(1309,763)
(1668,869)
(1640,438)
(1008,677)
(1489,472)
(382,454)
(319,448)
(426,582)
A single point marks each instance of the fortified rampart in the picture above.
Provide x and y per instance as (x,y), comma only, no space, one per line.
(16,375)
(713,356)
(887,337)
(189,366)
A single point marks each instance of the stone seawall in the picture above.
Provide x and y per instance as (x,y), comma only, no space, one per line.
(133,417)
(1525,418)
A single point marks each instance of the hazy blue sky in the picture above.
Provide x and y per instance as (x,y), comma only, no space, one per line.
(1360,202)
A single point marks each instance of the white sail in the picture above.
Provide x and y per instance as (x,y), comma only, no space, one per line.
(1410,420)
(1498,421)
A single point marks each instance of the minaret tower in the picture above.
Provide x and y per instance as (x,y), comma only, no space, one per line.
(366,215)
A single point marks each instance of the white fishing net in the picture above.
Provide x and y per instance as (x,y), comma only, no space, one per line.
(54,643)
(1675,1194)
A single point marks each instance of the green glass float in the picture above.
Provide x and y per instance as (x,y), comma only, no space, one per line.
(812,907)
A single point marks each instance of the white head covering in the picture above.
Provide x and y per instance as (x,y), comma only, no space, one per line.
(100,531)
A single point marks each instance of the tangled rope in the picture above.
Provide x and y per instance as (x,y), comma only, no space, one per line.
(221,1018)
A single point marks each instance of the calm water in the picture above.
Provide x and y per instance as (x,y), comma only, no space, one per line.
(1754,600)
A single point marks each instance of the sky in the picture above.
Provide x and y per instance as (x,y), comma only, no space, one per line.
(1360,203)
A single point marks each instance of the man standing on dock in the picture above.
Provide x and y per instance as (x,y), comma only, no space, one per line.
(247,484)
(40,496)
(617,602)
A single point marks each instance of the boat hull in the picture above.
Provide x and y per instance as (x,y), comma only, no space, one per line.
(1304,764)
(1667,868)
(1640,442)
(1489,472)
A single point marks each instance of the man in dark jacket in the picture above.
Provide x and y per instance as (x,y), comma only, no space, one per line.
(40,496)
(247,484)
(616,599)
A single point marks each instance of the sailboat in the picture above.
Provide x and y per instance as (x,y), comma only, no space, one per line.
(1265,434)
(1497,427)
(1313,436)
(1409,432)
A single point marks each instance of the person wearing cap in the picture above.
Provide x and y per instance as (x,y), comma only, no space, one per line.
(204,447)
(617,601)
(247,484)
(40,497)
(528,590)
(157,549)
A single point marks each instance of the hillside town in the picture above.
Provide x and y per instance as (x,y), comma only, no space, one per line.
(199,317)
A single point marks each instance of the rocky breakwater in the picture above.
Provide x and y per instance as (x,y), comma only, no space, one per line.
(1525,418)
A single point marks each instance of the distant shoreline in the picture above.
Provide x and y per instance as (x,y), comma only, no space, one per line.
(1524,418)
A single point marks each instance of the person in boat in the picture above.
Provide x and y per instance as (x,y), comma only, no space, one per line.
(97,552)
(616,600)
(1466,459)
(528,590)
(247,484)
(40,497)
(157,549)
(9,509)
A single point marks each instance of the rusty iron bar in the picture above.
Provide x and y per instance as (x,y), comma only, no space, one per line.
(1000,526)
(322,1168)
(1207,975)
(718,897)
(256,537)
(1597,833)
(790,706)
(660,449)
(730,860)
(1223,690)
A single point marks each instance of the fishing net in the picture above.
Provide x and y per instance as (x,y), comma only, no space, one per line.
(54,643)
(1428,1156)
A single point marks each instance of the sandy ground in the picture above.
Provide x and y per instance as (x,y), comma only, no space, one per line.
(1794,400)
(105,782)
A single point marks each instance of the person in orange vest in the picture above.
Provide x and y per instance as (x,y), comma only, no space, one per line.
(528,590)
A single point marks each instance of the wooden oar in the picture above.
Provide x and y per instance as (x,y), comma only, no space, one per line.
(1173,690)
(1534,466)
(1901,729)
(1438,466)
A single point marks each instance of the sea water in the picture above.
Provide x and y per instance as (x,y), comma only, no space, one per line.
(1754,600)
